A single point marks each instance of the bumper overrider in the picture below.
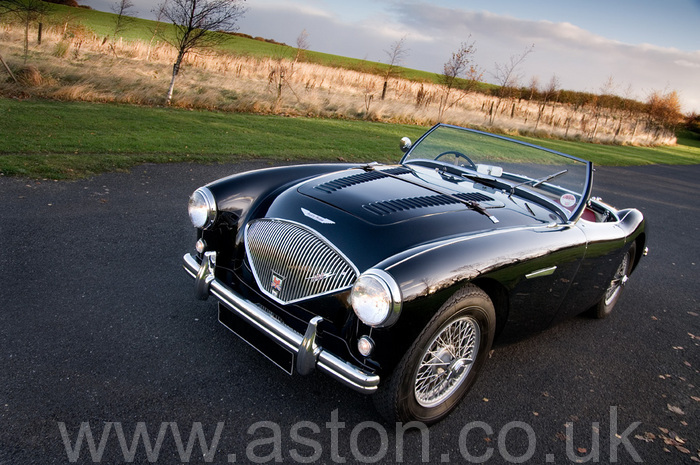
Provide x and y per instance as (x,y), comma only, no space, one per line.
(308,355)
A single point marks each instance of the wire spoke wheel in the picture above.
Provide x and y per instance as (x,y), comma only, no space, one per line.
(447,361)
(618,281)
(616,284)
(443,361)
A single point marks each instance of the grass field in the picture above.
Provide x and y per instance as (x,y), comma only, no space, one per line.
(66,140)
(102,23)
(79,60)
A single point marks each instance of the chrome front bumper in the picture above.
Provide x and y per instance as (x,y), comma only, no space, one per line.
(307,353)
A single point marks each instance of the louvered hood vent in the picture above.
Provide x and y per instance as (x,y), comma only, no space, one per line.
(355,179)
(388,207)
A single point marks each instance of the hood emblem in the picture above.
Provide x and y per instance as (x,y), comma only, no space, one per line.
(316,217)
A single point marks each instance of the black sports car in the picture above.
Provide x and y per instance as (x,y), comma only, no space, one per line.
(395,279)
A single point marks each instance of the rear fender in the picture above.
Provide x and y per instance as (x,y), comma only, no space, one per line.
(634,225)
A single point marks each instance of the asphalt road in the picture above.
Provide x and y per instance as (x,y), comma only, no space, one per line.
(102,338)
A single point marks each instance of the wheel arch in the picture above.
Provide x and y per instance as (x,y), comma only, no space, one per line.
(640,243)
(498,294)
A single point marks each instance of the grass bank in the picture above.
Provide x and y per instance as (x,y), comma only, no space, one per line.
(102,23)
(60,140)
(67,140)
(79,60)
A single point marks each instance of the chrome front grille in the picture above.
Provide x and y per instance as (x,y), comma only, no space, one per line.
(291,262)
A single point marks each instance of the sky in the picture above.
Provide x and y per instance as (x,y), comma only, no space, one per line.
(643,45)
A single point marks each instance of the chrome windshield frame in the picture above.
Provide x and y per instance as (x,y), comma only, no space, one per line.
(568,215)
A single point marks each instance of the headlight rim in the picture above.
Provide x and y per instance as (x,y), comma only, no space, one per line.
(394,292)
(210,205)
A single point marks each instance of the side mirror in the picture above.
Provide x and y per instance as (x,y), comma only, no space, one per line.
(405,144)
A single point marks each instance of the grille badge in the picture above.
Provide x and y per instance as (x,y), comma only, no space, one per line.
(276,284)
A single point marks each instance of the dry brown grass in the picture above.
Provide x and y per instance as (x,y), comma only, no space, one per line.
(73,64)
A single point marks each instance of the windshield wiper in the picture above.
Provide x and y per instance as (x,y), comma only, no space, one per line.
(537,182)
(487,181)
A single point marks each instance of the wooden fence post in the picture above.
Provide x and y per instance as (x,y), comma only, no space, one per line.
(8,70)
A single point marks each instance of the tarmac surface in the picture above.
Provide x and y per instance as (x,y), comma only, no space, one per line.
(106,355)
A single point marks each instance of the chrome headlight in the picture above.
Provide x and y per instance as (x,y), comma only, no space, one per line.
(376,298)
(202,208)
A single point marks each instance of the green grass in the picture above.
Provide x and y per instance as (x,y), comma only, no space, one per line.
(686,152)
(62,140)
(65,140)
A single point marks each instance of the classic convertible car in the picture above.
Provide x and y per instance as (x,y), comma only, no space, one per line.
(395,279)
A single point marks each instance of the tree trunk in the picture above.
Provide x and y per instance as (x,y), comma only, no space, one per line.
(176,70)
(26,40)
(386,83)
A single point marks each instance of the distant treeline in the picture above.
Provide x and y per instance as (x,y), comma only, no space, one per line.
(72,3)
(248,36)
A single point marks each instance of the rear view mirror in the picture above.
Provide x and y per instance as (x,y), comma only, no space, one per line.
(495,171)
(405,144)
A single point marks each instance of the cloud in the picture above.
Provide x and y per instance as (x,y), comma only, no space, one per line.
(329,33)
(687,64)
(581,59)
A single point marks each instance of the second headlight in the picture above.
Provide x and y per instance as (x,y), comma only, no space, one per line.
(202,208)
(376,298)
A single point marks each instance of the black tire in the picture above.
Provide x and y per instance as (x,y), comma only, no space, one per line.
(604,307)
(436,372)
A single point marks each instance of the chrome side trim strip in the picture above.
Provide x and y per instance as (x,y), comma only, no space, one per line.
(302,345)
(540,273)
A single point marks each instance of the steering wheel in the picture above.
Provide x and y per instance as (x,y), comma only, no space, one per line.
(457,156)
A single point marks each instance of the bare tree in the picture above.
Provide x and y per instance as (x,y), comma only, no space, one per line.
(549,93)
(26,11)
(601,103)
(124,11)
(302,45)
(282,67)
(507,78)
(533,87)
(396,55)
(280,74)
(159,11)
(198,24)
(459,66)
(626,111)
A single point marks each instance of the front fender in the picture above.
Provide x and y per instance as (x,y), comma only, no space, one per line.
(506,255)
(241,195)
(533,265)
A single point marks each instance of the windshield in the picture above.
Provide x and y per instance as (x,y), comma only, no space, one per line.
(523,169)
